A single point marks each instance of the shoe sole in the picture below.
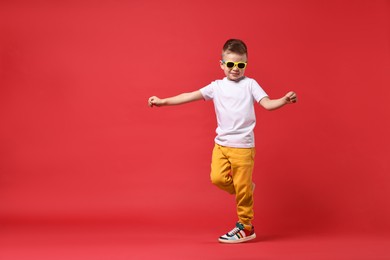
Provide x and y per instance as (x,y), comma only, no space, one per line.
(242,240)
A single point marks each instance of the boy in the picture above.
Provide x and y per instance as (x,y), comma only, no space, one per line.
(233,154)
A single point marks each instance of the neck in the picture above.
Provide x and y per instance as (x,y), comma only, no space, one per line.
(237,80)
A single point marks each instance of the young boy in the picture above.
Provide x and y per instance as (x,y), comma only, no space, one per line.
(234,151)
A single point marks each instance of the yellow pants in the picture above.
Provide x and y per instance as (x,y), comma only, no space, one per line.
(231,170)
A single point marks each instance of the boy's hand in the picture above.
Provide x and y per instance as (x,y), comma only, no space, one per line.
(154,101)
(290,97)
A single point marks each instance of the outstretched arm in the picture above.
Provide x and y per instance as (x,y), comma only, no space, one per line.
(272,104)
(176,100)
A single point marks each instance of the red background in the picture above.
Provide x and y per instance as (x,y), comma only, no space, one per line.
(78,142)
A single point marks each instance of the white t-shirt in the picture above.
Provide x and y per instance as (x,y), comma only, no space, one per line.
(234,108)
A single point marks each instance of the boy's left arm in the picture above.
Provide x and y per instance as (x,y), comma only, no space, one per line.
(272,104)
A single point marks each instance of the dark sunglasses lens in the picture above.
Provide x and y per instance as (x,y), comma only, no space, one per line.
(241,65)
(230,64)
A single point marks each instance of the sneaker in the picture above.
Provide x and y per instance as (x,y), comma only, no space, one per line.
(238,235)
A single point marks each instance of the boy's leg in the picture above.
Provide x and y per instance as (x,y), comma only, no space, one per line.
(221,169)
(242,163)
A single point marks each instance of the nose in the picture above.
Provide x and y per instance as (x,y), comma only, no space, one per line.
(235,67)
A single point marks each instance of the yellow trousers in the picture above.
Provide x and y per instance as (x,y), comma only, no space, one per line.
(231,170)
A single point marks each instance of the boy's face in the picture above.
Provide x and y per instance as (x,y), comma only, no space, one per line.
(234,73)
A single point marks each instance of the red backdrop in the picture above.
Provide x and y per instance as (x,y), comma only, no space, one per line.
(78,141)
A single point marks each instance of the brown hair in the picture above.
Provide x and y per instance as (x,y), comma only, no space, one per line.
(235,46)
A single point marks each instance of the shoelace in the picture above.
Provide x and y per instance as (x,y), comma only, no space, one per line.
(234,231)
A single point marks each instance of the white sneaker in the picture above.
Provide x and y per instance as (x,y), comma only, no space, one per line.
(238,235)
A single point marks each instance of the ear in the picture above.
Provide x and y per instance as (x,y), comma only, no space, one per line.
(221,64)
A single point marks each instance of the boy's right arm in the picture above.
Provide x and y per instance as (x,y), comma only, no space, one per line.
(176,100)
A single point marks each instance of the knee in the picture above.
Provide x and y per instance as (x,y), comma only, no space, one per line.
(216,180)
(223,182)
(219,180)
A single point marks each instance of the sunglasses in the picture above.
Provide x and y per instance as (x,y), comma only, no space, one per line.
(231,64)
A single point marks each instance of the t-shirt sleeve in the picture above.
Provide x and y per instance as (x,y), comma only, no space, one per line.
(208,91)
(257,91)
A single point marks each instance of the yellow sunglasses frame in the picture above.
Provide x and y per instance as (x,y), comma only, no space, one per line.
(235,64)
